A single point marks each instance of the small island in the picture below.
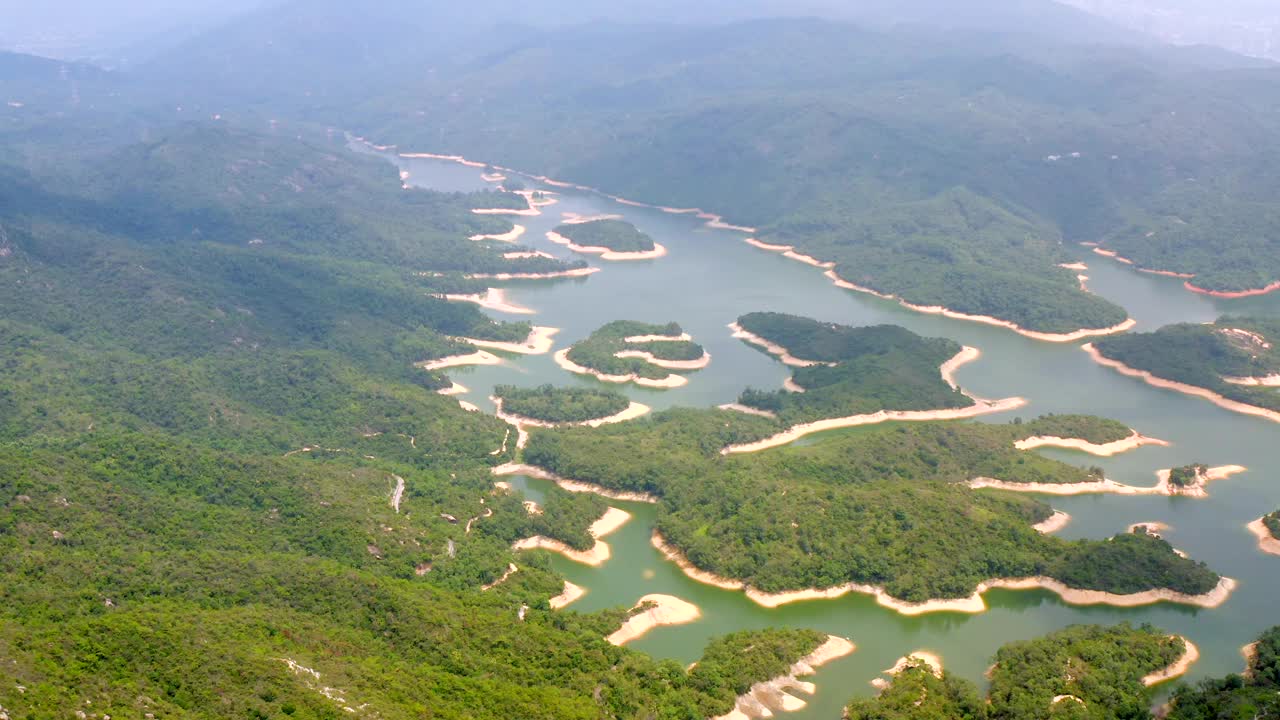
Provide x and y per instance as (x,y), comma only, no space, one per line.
(550,404)
(627,351)
(1232,363)
(611,239)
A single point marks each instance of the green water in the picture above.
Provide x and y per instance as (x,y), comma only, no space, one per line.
(711,277)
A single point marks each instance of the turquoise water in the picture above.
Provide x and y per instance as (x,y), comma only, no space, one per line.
(710,277)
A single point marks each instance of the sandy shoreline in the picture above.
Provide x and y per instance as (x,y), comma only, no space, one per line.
(539,342)
(1166,273)
(495,299)
(1162,486)
(789,252)
(776,694)
(570,594)
(1190,655)
(599,553)
(665,610)
(1266,543)
(772,348)
(1266,381)
(607,253)
(528,255)
(985,319)
(648,357)
(453,389)
(576,272)
(1053,523)
(1133,442)
(479,357)
(738,407)
(683,337)
(1233,295)
(633,411)
(572,485)
(1211,396)
(670,381)
(507,237)
(964,357)
(972,604)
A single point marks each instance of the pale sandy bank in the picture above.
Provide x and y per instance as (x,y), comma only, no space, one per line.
(1162,486)
(1190,655)
(454,389)
(775,695)
(575,272)
(570,594)
(1166,273)
(531,211)
(790,385)
(572,218)
(1200,392)
(1133,442)
(511,570)
(633,411)
(509,237)
(539,342)
(495,299)
(492,177)
(1266,381)
(528,255)
(571,485)
(789,252)
(1074,266)
(606,253)
(972,604)
(599,553)
(773,348)
(670,381)
(479,357)
(985,319)
(1267,290)
(1266,543)
(738,407)
(1150,528)
(683,337)
(659,610)
(912,659)
(1053,523)
(648,357)
(964,357)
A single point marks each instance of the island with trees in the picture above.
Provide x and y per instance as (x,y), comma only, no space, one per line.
(628,351)
(550,404)
(1267,530)
(611,239)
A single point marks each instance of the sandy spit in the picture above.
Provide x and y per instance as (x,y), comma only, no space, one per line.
(1159,382)
(1054,523)
(1073,266)
(1151,528)
(1162,487)
(1266,543)
(772,348)
(539,342)
(1133,442)
(508,237)
(986,320)
(972,604)
(633,411)
(790,385)
(670,381)
(612,519)
(571,485)
(665,610)
(454,389)
(576,272)
(479,357)
(495,299)
(738,407)
(570,594)
(964,357)
(765,698)
(604,252)
(1166,273)
(1190,655)
(931,659)
(648,357)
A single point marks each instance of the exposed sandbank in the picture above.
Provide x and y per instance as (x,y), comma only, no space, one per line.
(738,407)
(1162,487)
(1150,528)
(492,177)
(571,218)
(662,610)
(1231,295)
(572,485)
(928,658)
(599,553)
(1073,266)
(1116,256)
(789,252)
(1266,543)
(1133,442)
(1265,381)
(790,385)
(773,348)
(972,604)
(633,411)
(479,357)
(985,319)
(509,237)
(454,389)
(495,299)
(570,594)
(1053,523)
(648,357)
(670,381)
(539,342)
(607,253)
(531,211)
(1190,655)
(964,357)
(774,695)
(1160,382)
(528,255)
(683,337)
(575,272)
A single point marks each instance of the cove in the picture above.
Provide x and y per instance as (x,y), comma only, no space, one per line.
(711,276)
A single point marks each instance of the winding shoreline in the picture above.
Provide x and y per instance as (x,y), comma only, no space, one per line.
(576,272)
(766,697)
(1233,295)
(534,471)
(973,604)
(494,299)
(507,237)
(1153,380)
(666,610)
(607,253)
(1162,487)
(670,381)
(479,357)
(539,342)
(1190,655)
(568,596)
(1133,442)
(648,357)
(1188,277)
(773,348)
(1266,542)
(599,553)
(1053,523)
(633,411)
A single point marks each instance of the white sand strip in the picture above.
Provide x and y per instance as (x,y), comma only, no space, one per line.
(495,299)
(1162,487)
(479,357)
(539,342)
(1266,542)
(1133,442)
(767,697)
(663,610)
(570,594)
(607,253)
(1190,655)
(737,407)
(571,485)
(633,411)
(1053,523)
(454,389)
(773,348)
(648,357)
(670,381)
(508,237)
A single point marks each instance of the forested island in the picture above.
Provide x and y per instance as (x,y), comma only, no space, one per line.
(808,510)
(547,403)
(616,235)
(1234,359)
(1083,671)
(629,351)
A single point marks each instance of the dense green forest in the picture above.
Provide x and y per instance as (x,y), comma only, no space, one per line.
(1089,428)
(599,350)
(1207,355)
(863,370)
(617,235)
(1255,694)
(1087,672)
(882,505)
(1272,523)
(733,663)
(561,404)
